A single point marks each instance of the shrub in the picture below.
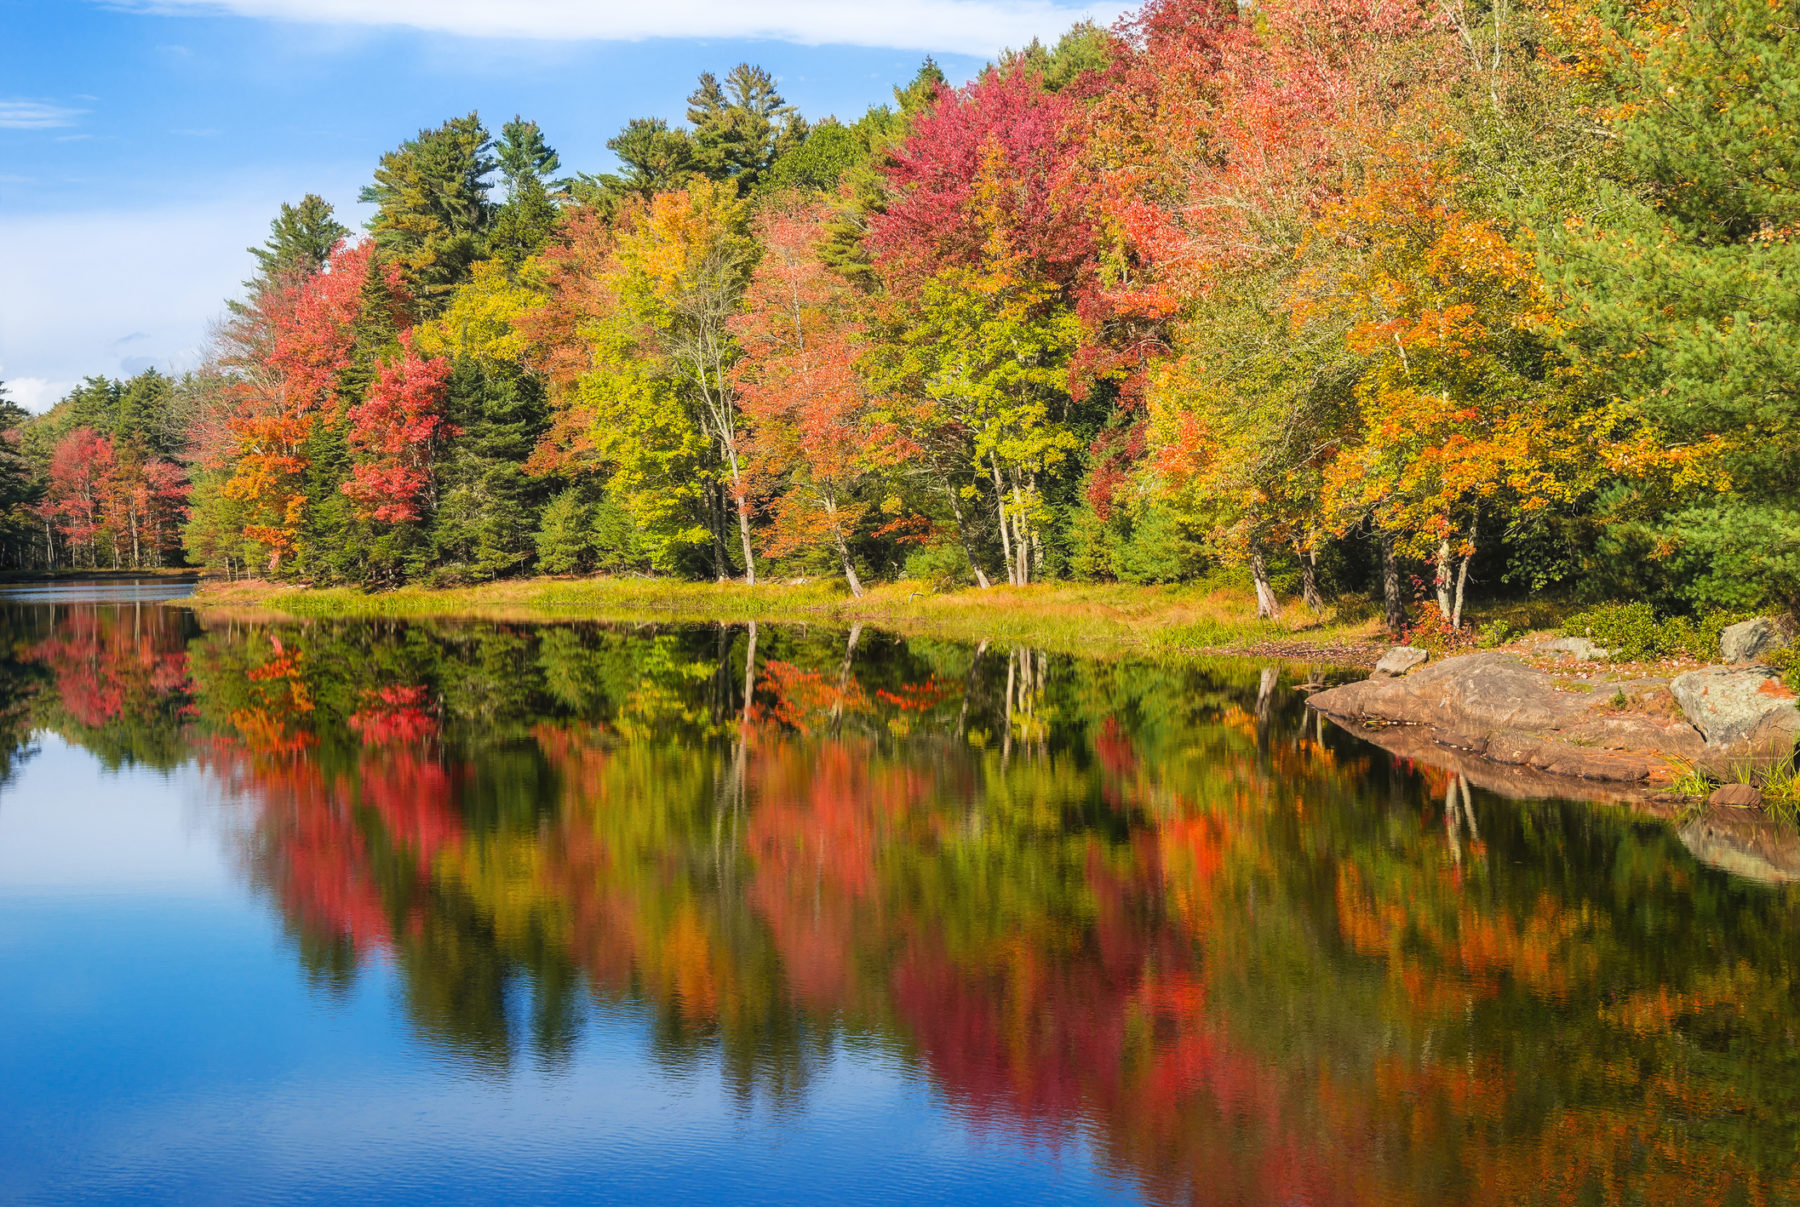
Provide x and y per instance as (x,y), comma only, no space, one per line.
(940,567)
(1494,633)
(1632,632)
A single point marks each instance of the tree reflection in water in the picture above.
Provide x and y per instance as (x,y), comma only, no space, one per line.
(1155,907)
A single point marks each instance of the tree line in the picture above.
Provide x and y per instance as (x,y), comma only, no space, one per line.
(1340,295)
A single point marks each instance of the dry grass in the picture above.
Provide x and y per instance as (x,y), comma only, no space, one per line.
(1100,620)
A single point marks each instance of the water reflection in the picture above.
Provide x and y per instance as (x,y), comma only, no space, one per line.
(1156,910)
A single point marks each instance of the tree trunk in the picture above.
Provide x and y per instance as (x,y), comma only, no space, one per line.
(962,534)
(1267,607)
(1462,582)
(856,588)
(1006,550)
(962,717)
(749,679)
(837,708)
(1394,608)
(1441,580)
(743,515)
(962,530)
(715,522)
(1309,579)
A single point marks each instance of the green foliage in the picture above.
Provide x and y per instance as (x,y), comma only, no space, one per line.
(1633,633)
(433,211)
(301,239)
(1084,48)
(565,537)
(1686,293)
(741,128)
(1494,633)
(830,150)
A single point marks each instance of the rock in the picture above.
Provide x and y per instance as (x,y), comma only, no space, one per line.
(1400,659)
(1739,707)
(1579,648)
(1752,639)
(1736,796)
(1513,749)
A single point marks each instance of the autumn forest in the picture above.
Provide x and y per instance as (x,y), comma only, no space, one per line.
(1378,297)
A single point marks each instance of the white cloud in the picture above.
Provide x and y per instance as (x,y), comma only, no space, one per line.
(35,115)
(35,393)
(110,292)
(976,27)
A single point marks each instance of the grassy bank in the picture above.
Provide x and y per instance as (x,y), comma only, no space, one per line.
(1100,620)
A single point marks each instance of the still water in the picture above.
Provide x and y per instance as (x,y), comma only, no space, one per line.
(393,913)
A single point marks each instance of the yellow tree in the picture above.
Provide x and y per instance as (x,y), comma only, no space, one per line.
(1460,417)
(683,262)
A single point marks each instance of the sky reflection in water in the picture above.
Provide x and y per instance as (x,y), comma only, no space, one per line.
(475,912)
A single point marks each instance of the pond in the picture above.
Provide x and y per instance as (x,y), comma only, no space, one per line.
(421,913)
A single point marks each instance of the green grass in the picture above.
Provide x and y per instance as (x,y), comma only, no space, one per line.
(1095,619)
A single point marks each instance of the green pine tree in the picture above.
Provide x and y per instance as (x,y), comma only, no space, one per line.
(433,209)
(1686,293)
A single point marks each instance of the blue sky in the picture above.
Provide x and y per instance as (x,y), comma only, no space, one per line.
(145,144)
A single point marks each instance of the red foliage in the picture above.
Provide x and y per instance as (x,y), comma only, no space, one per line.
(81,467)
(934,218)
(394,433)
(292,346)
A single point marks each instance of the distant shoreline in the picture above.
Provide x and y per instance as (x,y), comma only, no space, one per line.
(1112,620)
(25,578)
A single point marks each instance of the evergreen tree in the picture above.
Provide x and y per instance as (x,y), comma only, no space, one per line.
(742,127)
(434,212)
(18,527)
(1686,296)
(147,413)
(487,505)
(653,158)
(300,240)
(522,155)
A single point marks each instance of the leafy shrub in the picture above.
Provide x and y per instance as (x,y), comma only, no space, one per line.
(940,567)
(1494,633)
(1633,633)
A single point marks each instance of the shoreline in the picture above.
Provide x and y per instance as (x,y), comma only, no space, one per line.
(1103,621)
(17,578)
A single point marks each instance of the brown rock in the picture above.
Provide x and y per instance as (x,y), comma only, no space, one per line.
(1736,796)
(1513,748)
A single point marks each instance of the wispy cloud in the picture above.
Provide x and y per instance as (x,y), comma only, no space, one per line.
(977,27)
(35,115)
(35,393)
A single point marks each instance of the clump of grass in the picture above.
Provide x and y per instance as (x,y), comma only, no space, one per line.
(1781,790)
(1688,781)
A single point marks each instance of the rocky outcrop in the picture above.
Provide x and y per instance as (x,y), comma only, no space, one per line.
(1740,710)
(1517,715)
(1752,639)
(1400,659)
